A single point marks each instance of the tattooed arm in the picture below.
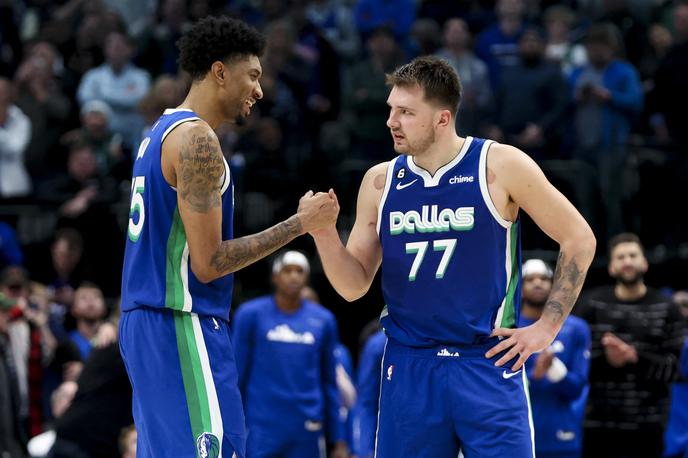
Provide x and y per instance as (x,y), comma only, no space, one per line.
(527,188)
(193,163)
(351,269)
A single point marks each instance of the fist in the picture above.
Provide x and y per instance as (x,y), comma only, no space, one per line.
(318,211)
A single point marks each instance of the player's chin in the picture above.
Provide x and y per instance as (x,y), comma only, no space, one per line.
(401,149)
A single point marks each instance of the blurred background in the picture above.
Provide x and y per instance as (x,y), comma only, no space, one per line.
(82,80)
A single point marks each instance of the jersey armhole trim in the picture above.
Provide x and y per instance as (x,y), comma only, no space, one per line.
(484,190)
(388,183)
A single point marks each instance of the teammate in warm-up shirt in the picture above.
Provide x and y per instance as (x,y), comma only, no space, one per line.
(442,219)
(676,434)
(284,348)
(365,412)
(558,376)
(180,254)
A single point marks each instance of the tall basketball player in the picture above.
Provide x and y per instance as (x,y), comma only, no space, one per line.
(177,282)
(443,221)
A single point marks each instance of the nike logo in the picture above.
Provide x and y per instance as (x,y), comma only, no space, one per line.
(506,374)
(405,185)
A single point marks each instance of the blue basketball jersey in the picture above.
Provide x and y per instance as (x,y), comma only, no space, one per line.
(450,262)
(157,270)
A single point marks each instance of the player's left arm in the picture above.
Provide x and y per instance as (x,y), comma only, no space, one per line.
(528,188)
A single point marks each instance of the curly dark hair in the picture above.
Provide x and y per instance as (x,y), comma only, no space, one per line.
(217,38)
(435,75)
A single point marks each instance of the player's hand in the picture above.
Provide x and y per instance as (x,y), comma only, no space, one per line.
(340,450)
(542,364)
(618,352)
(521,342)
(318,211)
(106,335)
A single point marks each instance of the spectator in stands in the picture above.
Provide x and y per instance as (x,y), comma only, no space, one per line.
(608,96)
(397,15)
(166,92)
(497,45)
(323,94)
(476,92)
(12,432)
(295,375)
(95,131)
(561,47)
(32,344)
(158,52)
(636,340)
(121,85)
(531,100)
(82,186)
(101,408)
(10,251)
(425,37)
(41,98)
(15,134)
(671,92)
(558,375)
(336,23)
(89,312)
(366,97)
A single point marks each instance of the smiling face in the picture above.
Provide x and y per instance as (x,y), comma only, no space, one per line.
(411,120)
(242,86)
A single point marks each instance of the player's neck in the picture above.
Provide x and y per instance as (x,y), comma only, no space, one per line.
(203,102)
(630,292)
(287,304)
(530,312)
(440,153)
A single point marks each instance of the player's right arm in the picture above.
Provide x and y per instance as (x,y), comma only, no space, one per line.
(193,158)
(351,269)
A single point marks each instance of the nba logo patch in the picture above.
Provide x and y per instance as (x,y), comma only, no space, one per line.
(390,369)
(208,446)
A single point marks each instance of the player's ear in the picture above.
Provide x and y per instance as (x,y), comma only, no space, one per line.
(218,71)
(445,118)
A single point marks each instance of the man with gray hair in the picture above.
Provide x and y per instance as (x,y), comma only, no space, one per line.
(558,375)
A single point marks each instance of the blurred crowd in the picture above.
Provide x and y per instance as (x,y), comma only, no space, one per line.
(593,90)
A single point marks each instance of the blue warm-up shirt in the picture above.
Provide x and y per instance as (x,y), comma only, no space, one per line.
(558,407)
(287,368)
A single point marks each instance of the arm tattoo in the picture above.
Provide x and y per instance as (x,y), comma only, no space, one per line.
(236,254)
(567,283)
(200,170)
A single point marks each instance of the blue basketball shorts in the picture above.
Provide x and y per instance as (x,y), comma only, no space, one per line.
(437,402)
(186,401)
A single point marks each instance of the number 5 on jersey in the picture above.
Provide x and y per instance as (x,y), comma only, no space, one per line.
(137,206)
(419,249)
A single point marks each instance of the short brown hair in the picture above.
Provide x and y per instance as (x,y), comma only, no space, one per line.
(435,76)
(625,237)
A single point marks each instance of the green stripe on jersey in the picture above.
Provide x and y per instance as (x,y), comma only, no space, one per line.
(192,375)
(509,315)
(174,288)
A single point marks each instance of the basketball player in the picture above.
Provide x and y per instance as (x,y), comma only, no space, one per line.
(557,376)
(443,220)
(177,282)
